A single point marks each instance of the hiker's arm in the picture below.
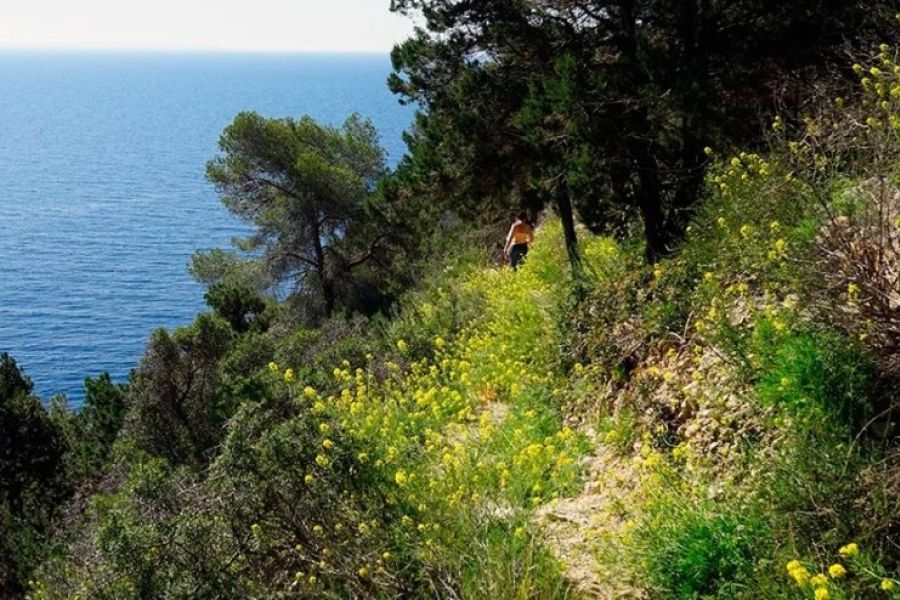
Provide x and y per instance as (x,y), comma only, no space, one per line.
(509,238)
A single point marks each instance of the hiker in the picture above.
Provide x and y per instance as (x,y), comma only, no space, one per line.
(520,235)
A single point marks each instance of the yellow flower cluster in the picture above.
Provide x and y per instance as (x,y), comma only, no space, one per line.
(823,584)
(470,423)
(819,582)
(740,170)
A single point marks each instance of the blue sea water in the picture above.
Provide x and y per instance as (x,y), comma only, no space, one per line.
(102,192)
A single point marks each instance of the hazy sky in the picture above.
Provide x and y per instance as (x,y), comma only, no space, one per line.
(319,25)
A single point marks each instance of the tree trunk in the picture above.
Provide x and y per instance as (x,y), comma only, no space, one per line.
(649,196)
(692,160)
(325,282)
(328,294)
(567,216)
(640,141)
(684,198)
(651,212)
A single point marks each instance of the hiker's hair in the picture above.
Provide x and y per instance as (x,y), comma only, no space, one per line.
(522,216)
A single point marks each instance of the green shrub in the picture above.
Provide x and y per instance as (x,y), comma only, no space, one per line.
(92,430)
(621,431)
(238,304)
(696,548)
(313,353)
(507,562)
(177,407)
(286,508)
(32,475)
(814,376)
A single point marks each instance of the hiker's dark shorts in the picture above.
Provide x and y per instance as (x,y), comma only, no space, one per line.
(517,254)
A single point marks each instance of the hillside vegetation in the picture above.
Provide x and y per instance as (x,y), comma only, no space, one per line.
(702,406)
(721,423)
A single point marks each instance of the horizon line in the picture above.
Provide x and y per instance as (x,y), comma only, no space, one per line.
(188,50)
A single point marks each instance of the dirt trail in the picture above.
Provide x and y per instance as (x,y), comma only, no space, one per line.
(574,528)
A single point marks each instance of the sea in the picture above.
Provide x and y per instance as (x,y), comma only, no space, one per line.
(103,198)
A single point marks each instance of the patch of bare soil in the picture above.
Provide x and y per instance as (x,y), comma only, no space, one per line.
(575,528)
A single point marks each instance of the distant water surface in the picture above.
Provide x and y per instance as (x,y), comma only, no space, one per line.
(102,191)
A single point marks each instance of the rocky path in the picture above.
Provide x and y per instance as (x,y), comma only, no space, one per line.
(577,528)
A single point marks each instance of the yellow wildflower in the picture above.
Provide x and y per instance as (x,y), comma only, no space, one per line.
(401,478)
(800,575)
(887,585)
(822,594)
(273,367)
(289,375)
(309,478)
(849,550)
(256,529)
(818,580)
(837,571)
(402,346)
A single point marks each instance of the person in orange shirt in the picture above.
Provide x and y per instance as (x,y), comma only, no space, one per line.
(520,235)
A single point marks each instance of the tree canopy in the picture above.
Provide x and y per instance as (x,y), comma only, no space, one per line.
(307,190)
(31,474)
(606,106)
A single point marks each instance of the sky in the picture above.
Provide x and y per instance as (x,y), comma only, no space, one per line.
(228,25)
